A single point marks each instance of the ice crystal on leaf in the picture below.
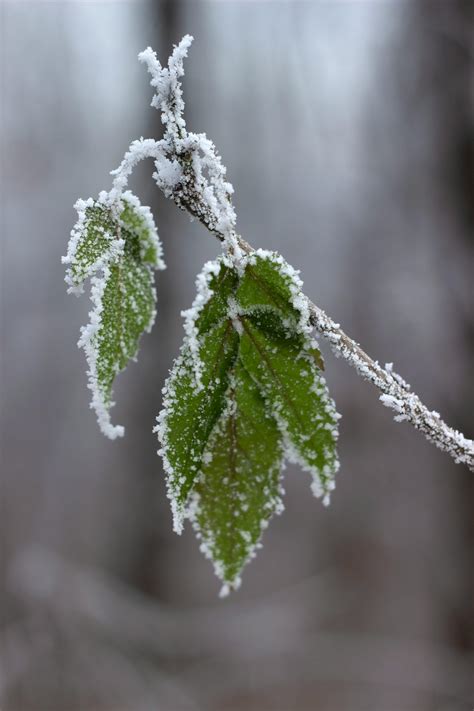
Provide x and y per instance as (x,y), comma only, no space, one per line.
(116,245)
(245,394)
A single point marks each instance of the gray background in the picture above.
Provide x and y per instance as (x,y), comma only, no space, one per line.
(346,129)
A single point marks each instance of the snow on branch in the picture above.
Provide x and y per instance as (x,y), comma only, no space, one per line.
(190,172)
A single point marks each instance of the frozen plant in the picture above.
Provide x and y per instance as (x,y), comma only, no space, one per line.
(246,393)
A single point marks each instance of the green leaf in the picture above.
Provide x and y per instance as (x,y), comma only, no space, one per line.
(239,487)
(285,369)
(115,243)
(191,411)
(245,394)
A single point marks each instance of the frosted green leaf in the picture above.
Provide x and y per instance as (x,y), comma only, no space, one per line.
(286,371)
(115,243)
(239,486)
(245,394)
(190,412)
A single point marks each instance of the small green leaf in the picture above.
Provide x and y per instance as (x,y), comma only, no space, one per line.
(285,370)
(239,487)
(115,243)
(191,411)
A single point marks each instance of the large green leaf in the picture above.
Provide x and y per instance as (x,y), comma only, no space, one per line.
(268,281)
(246,393)
(239,486)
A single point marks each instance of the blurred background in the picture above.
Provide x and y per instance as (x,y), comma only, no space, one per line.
(347,131)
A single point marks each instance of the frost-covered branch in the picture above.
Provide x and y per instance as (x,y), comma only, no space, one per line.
(396,393)
(190,172)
